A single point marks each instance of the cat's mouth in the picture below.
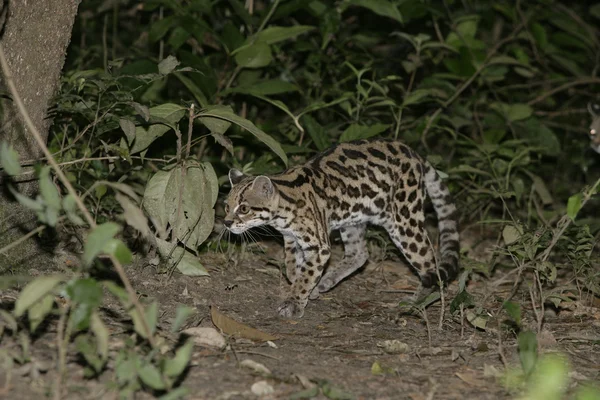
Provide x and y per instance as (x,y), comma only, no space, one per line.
(237,229)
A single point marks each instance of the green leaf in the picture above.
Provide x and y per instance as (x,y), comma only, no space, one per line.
(357,131)
(9,159)
(85,347)
(9,320)
(101,333)
(223,141)
(193,223)
(334,393)
(318,105)
(168,65)
(478,320)
(539,33)
(85,291)
(175,366)
(574,205)
(35,205)
(193,88)
(133,215)
(418,96)
(264,88)
(256,55)
(128,128)
(517,112)
(150,375)
(117,291)
(384,8)
(38,311)
(316,132)
(181,314)
(117,248)
(463,298)
(187,263)
(250,127)
(160,28)
(511,234)
(35,291)
(541,189)
(154,199)
(275,34)
(48,189)
(169,112)
(527,351)
(144,136)
(513,309)
(70,207)
(150,316)
(98,239)
(216,125)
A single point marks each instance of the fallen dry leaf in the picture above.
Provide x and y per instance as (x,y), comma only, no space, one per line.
(237,329)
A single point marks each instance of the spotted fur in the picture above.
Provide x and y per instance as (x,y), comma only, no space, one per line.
(380,182)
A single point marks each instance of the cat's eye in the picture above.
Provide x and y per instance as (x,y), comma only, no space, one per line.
(243,209)
(226,208)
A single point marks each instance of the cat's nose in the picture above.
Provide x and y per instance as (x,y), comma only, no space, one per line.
(228,222)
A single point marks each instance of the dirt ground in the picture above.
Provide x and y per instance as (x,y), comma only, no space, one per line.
(336,343)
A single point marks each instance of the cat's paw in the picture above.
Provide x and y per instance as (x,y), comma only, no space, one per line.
(291,309)
(325,284)
(314,294)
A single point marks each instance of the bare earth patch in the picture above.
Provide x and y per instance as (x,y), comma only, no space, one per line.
(338,344)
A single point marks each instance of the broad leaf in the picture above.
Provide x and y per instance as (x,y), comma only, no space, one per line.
(275,34)
(167,65)
(9,159)
(187,263)
(256,55)
(34,291)
(98,239)
(154,199)
(175,366)
(39,311)
(250,127)
(358,131)
(216,125)
(385,8)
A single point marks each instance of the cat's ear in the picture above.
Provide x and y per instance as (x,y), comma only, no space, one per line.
(594,109)
(263,186)
(235,176)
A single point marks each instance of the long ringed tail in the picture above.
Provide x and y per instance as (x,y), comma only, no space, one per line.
(448,226)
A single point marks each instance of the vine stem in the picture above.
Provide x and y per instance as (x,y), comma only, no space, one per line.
(61,176)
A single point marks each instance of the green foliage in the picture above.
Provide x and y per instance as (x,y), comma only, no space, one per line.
(151,116)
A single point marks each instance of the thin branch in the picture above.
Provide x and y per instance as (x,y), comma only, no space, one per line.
(583,81)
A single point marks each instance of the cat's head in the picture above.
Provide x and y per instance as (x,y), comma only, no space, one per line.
(250,203)
(594,132)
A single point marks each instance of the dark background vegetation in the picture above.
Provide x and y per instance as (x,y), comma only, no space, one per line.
(494,93)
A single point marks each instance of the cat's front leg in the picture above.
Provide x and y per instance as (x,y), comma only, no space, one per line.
(291,257)
(315,257)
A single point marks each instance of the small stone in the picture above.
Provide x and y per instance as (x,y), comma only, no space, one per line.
(256,367)
(262,388)
(208,337)
(393,346)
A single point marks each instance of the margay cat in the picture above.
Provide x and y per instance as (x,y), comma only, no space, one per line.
(381,182)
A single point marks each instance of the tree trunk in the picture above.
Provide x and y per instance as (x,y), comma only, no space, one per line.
(34,39)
